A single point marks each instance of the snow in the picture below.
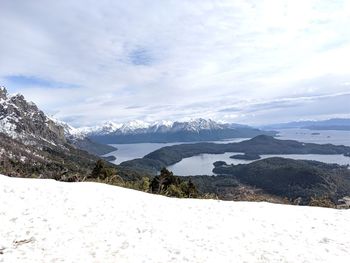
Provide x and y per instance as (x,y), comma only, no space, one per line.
(68,129)
(8,126)
(165,123)
(106,128)
(3,90)
(139,126)
(132,126)
(49,221)
(87,130)
(112,125)
(9,120)
(14,112)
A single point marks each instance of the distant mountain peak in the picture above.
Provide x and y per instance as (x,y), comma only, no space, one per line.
(134,126)
(328,124)
(162,126)
(139,131)
(165,123)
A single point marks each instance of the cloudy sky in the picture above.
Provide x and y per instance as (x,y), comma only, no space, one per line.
(246,61)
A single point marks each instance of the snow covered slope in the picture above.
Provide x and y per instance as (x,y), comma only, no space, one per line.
(49,221)
(22,120)
(168,131)
(141,127)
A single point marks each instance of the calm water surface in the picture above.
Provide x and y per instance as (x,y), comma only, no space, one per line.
(203,164)
(316,136)
(128,152)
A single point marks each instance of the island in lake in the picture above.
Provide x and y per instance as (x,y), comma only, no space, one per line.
(262,144)
(273,179)
(286,178)
(246,156)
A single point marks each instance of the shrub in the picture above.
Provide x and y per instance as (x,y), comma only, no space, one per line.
(168,184)
(101,171)
(145,184)
(321,201)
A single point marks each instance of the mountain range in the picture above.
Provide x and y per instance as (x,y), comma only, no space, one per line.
(32,144)
(341,124)
(167,131)
(37,146)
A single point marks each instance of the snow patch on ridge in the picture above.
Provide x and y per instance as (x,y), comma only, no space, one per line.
(139,126)
(20,119)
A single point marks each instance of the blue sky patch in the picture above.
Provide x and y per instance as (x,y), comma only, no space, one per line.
(22,80)
(140,57)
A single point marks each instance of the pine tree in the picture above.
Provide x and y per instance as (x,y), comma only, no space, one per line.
(101,171)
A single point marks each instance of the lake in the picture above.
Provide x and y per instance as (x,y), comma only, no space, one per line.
(203,164)
(316,136)
(128,152)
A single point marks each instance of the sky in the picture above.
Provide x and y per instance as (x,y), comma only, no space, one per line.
(245,61)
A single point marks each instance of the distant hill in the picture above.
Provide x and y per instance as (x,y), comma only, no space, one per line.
(167,131)
(261,144)
(331,124)
(279,177)
(292,178)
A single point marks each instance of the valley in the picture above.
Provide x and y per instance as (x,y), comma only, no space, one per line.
(175,131)
(262,144)
(293,163)
(37,146)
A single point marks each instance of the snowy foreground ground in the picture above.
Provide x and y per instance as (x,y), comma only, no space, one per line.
(49,221)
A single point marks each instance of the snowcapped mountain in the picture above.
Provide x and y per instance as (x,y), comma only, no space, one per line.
(167,131)
(340,124)
(139,127)
(31,143)
(23,120)
(106,128)
(196,125)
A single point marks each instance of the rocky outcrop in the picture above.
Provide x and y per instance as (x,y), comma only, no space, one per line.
(23,120)
(34,145)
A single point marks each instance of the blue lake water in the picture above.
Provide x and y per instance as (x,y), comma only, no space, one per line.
(316,136)
(128,152)
(203,164)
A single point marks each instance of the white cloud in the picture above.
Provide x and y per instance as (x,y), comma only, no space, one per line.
(176,59)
